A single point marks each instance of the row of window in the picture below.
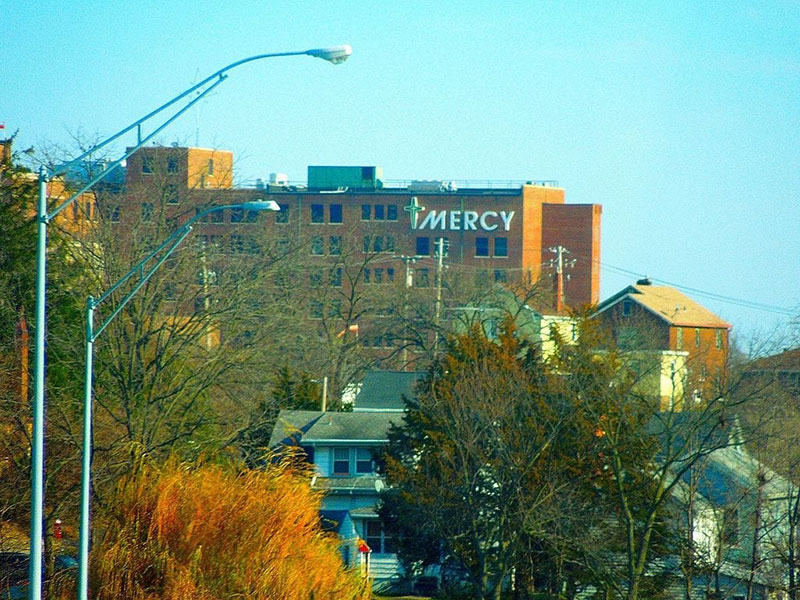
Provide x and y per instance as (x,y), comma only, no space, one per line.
(718,341)
(347,461)
(484,246)
(172,165)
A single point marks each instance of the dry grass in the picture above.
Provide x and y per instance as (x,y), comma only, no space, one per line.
(182,532)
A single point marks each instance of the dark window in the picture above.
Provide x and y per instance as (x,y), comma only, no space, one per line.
(341,461)
(366,210)
(335,211)
(317,247)
(336,277)
(445,243)
(171,193)
(377,538)
(147,211)
(390,274)
(389,243)
(481,246)
(218,216)
(377,243)
(317,213)
(391,212)
(237,244)
(627,307)
(697,337)
(380,213)
(423,246)
(366,275)
(147,164)
(501,246)
(237,215)
(210,166)
(316,309)
(378,274)
(335,244)
(114,214)
(363,460)
(204,218)
(422,278)
(315,277)
(679,338)
(172,165)
(215,241)
(251,216)
(500,276)
(283,215)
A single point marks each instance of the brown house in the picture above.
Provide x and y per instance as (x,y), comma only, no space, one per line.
(655,317)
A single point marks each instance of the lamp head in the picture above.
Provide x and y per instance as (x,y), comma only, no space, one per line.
(334,54)
(260,205)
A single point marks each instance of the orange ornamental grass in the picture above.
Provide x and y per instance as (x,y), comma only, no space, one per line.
(180,532)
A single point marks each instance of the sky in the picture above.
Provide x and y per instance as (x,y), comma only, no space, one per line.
(681,118)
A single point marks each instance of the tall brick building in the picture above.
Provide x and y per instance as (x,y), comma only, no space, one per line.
(503,233)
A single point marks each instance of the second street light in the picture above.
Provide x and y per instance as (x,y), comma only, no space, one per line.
(144,269)
(335,55)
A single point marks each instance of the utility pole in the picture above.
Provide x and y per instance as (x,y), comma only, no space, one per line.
(560,264)
(409,284)
(206,298)
(442,246)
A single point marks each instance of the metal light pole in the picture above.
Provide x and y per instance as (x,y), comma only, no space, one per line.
(335,55)
(168,246)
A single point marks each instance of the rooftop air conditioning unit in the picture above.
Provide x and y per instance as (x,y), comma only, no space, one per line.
(279,179)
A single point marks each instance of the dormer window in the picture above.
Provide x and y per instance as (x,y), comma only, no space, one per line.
(341,461)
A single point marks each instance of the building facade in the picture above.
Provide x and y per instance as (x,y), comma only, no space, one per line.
(504,233)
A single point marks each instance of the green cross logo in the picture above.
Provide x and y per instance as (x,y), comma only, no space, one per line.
(412,209)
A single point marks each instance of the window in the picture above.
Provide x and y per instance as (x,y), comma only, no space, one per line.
(377,243)
(391,212)
(390,275)
(443,243)
(210,166)
(341,461)
(172,165)
(75,211)
(423,246)
(336,277)
(215,241)
(501,246)
(251,216)
(335,246)
(317,213)
(367,241)
(696,337)
(315,310)
(237,244)
(363,460)
(147,164)
(366,275)
(237,215)
(218,216)
(422,277)
(719,339)
(389,243)
(317,248)
(283,215)
(378,274)
(481,246)
(171,193)
(380,214)
(366,210)
(203,219)
(500,276)
(627,307)
(315,277)
(679,338)
(730,527)
(114,214)
(335,213)
(147,211)
(377,538)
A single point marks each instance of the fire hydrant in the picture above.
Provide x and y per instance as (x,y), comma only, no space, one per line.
(57,533)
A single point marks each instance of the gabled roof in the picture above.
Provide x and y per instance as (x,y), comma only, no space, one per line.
(787,361)
(384,390)
(314,426)
(668,304)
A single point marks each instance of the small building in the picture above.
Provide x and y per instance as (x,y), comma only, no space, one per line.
(646,317)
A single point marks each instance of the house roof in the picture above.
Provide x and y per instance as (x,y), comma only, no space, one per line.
(384,390)
(787,361)
(668,304)
(314,426)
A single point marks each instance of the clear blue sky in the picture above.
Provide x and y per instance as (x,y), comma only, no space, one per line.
(681,118)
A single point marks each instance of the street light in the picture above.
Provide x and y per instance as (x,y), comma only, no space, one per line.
(335,55)
(168,246)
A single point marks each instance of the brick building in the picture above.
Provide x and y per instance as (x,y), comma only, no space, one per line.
(503,233)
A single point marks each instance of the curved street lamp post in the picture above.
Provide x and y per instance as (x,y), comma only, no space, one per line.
(335,55)
(144,272)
